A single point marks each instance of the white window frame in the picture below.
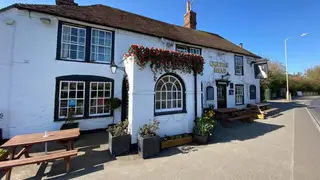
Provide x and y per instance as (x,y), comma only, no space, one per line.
(96,53)
(195,51)
(177,99)
(182,49)
(239,94)
(70,43)
(68,98)
(238,63)
(97,98)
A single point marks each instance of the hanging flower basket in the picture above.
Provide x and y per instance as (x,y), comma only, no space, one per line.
(161,60)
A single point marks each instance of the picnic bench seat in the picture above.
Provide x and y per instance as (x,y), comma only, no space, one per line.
(6,165)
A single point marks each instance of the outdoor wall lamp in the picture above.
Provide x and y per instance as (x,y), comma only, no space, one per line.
(225,76)
(114,68)
(45,20)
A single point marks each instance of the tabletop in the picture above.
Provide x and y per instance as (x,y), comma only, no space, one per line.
(260,104)
(28,139)
(226,110)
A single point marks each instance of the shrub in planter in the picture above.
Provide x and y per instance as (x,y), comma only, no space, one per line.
(202,128)
(119,138)
(148,140)
(177,140)
(3,154)
(69,123)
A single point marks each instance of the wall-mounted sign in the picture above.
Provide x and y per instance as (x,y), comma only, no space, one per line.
(219,67)
(72,103)
(261,71)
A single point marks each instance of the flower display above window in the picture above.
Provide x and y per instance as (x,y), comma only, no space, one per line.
(161,60)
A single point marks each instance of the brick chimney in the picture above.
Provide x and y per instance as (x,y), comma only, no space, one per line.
(190,18)
(66,2)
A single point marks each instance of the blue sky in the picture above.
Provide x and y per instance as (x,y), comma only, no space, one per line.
(261,25)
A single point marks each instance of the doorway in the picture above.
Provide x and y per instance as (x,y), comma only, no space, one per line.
(125,99)
(221,95)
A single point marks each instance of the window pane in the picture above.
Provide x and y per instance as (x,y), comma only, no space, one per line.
(157,95)
(168,104)
(93,94)
(93,110)
(72,94)
(93,86)
(63,112)
(64,94)
(157,104)
(64,103)
(163,104)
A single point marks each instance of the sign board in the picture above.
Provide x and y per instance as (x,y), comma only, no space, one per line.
(219,67)
(72,103)
(261,71)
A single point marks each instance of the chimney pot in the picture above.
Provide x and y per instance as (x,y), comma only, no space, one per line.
(241,45)
(188,6)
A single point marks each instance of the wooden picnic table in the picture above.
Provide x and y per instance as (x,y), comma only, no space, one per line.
(28,140)
(226,110)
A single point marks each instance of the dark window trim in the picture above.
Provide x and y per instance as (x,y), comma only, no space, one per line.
(235,66)
(184,104)
(253,96)
(87,79)
(188,48)
(207,95)
(235,97)
(87,58)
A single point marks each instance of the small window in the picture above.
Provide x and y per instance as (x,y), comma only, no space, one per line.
(239,94)
(169,94)
(100,94)
(238,65)
(101,42)
(253,94)
(195,51)
(210,93)
(182,49)
(186,49)
(73,43)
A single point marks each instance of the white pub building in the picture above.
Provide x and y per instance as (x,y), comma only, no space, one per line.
(54,57)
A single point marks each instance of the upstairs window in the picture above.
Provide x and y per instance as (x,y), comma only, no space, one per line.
(253,93)
(186,49)
(73,43)
(238,65)
(81,43)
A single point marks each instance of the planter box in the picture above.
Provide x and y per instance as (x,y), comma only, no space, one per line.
(200,139)
(69,126)
(175,142)
(119,145)
(148,147)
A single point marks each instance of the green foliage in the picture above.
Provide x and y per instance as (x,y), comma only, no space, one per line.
(203,126)
(149,130)
(114,103)
(119,129)
(179,136)
(3,151)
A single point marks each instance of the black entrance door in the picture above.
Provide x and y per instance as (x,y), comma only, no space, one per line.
(125,100)
(222,95)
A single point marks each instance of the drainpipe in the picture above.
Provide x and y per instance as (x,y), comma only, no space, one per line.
(195,96)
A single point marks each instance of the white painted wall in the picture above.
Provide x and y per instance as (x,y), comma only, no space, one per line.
(27,99)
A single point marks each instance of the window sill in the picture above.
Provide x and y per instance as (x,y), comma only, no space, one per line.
(83,118)
(239,104)
(89,62)
(169,113)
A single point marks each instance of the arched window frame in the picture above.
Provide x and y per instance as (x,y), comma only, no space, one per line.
(253,91)
(166,111)
(207,93)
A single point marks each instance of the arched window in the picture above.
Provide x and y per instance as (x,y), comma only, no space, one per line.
(169,94)
(210,93)
(253,92)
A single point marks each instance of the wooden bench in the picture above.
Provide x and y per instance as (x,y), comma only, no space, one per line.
(7,165)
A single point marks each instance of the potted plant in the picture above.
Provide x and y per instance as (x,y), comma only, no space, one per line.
(177,140)
(119,138)
(69,123)
(3,154)
(148,140)
(203,127)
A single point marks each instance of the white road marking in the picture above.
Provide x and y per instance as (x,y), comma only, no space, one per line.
(313,119)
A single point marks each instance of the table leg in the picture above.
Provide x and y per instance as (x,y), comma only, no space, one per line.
(72,145)
(11,157)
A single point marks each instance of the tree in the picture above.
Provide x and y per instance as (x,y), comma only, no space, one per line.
(276,76)
(313,73)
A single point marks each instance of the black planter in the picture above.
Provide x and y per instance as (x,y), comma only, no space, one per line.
(148,147)
(200,139)
(69,126)
(119,145)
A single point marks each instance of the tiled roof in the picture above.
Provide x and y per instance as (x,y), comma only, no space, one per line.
(112,17)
